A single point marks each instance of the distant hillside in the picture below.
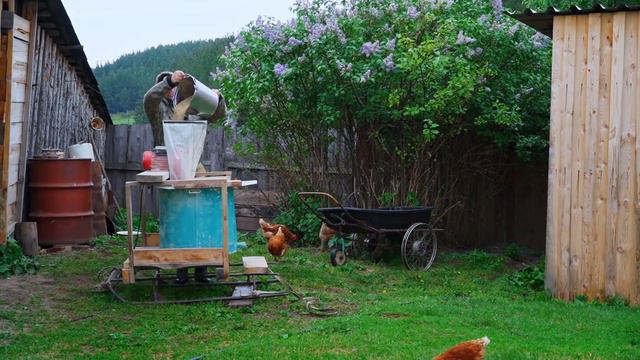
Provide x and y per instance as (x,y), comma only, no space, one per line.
(125,81)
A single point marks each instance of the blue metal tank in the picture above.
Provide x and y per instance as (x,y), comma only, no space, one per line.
(192,218)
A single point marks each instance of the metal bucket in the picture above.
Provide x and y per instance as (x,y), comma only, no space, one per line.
(98,200)
(60,191)
(192,218)
(204,101)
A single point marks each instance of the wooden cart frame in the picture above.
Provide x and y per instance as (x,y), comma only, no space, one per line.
(153,257)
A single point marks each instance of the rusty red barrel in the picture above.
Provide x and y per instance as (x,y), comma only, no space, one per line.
(99,201)
(60,191)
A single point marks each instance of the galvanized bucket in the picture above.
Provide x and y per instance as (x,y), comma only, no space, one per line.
(204,101)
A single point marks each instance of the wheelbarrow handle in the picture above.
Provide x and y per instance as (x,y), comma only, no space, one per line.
(318,193)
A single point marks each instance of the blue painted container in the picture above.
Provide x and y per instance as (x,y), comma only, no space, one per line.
(192,218)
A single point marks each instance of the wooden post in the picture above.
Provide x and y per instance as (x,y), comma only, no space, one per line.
(31,14)
(27,235)
(129,202)
(5,102)
(225,228)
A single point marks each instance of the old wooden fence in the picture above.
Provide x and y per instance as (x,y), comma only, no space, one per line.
(123,160)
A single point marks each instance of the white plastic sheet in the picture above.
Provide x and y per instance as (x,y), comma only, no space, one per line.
(184,141)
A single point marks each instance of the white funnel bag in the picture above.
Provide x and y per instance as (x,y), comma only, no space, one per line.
(184,141)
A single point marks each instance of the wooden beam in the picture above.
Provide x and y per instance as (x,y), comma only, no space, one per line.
(7,48)
(31,13)
(177,258)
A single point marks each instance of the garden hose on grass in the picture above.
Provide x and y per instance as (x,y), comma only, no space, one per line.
(310,303)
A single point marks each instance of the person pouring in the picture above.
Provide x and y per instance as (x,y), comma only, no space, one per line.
(159,106)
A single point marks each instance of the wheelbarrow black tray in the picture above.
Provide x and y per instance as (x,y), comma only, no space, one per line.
(350,219)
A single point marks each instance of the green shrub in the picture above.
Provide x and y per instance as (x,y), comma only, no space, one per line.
(300,219)
(531,277)
(481,259)
(513,251)
(153,224)
(13,261)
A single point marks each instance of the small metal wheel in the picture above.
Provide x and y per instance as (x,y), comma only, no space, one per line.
(338,258)
(419,247)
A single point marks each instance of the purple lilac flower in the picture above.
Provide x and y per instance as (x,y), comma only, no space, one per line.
(317,30)
(482,80)
(344,67)
(332,25)
(474,52)
(302,58)
(389,65)
(365,77)
(539,40)
(239,41)
(369,48)
(302,4)
(374,12)
(273,32)
(512,30)
(497,6)
(386,28)
(462,39)
(393,7)
(483,19)
(412,12)
(446,4)
(391,44)
(293,42)
(259,21)
(280,69)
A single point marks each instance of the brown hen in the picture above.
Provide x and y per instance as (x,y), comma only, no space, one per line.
(468,350)
(277,244)
(268,230)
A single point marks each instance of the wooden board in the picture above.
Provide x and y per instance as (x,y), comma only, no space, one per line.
(176,258)
(152,176)
(255,264)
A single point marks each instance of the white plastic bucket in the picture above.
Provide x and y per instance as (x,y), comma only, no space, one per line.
(81,151)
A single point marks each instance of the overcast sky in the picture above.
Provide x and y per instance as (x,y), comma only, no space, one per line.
(108,29)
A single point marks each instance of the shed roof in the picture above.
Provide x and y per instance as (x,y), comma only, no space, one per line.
(53,17)
(543,20)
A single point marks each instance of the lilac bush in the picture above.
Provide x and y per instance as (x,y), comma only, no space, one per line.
(394,79)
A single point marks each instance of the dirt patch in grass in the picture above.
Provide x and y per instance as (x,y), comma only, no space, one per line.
(22,289)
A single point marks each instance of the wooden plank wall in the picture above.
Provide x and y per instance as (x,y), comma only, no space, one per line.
(493,213)
(592,237)
(60,111)
(126,143)
(21,38)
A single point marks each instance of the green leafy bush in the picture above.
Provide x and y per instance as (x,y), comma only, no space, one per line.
(397,87)
(153,224)
(13,261)
(483,260)
(513,251)
(300,219)
(531,277)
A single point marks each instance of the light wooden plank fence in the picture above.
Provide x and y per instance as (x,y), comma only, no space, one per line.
(593,240)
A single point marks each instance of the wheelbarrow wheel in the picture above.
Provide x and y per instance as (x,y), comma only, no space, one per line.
(419,247)
(338,257)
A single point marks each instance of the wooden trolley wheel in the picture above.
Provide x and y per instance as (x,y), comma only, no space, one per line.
(419,247)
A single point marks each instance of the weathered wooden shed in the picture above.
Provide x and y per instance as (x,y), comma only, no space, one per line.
(48,95)
(593,235)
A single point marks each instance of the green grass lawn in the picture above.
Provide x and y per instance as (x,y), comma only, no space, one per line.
(385,312)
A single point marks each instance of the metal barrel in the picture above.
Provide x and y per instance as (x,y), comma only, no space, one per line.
(60,191)
(99,201)
(204,101)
